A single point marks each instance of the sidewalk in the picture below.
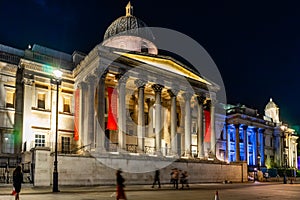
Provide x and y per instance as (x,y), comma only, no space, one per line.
(30,189)
(6,189)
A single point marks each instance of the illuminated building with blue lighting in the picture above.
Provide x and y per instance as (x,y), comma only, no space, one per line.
(263,141)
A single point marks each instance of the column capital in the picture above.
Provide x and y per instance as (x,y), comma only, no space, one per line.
(157,88)
(201,99)
(245,127)
(28,81)
(122,78)
(100,71)
(213,102)
(90,79)
(82,85)
(261,130)
(173,92)
(237,126)
(187,96)
(140,83)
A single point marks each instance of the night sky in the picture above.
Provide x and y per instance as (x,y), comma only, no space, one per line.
(255,44)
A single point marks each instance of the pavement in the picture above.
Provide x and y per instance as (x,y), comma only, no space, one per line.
(5,189)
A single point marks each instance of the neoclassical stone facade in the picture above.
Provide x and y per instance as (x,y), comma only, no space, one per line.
(123,97)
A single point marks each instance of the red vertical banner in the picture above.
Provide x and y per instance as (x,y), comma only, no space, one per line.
(207,126)
(112,109)
(76,115)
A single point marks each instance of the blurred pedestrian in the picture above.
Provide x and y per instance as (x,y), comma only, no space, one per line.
(156,178)
(171,174)
(184,179)
(175,177)
(120,186)
(17,181)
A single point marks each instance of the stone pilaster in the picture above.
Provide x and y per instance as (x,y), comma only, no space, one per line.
(29,92)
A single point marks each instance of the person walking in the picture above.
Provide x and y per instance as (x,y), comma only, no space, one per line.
(184,179)
(175,177)
(120,186)
(156,178)
(17,181)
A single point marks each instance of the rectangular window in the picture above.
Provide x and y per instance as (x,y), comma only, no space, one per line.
(65,144)
(10,99)
(67,103)
(39,140)
(41,100)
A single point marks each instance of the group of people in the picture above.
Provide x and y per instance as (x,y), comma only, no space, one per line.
(176,175)
(181,176)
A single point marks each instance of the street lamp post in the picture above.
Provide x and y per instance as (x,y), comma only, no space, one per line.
(57,74)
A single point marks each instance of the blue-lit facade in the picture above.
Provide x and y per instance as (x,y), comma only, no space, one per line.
(257,139)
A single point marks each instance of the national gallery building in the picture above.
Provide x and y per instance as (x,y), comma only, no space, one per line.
(124,97)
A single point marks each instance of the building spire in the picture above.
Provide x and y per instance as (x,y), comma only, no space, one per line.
(129,9)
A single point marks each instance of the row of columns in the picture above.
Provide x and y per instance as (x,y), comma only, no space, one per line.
(88,126)
(258,152)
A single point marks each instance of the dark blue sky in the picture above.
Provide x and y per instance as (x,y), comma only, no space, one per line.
(255,44)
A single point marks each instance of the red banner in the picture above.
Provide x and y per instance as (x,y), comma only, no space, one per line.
(76,115)
(112,109)
(207,126)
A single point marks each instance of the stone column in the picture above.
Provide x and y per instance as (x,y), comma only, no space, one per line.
(100,137)
(256,150)
(212,127)
(200,131)
(237,142)
(173,93)
(187,124)
(246,144)
(227,143)
(141,113)
(262,148)
(82,126)
(278,149)
(158,129)
(91,114)
(122,111)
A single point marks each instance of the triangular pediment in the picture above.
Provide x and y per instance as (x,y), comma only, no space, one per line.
(164,64)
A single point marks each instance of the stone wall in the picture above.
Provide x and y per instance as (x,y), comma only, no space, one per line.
(87,170)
